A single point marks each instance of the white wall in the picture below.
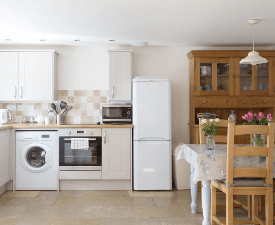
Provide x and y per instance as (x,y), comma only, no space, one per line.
(87,68)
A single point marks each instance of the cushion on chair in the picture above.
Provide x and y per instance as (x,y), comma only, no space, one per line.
(247,182)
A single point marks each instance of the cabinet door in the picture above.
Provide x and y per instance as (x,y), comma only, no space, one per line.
(36,76)
(8,76)
(116,154)
(4,157)
(215,76)
(120,76)
(254,80)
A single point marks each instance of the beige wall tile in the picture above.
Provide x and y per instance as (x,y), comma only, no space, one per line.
(96,106)
(70,99)
(96,99)
(80,93)
(83,106)
(96,93)
(83,113)
(103,99)
(90,99)
(63,93)
(77,112)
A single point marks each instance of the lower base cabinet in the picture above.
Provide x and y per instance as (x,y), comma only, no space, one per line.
(116,153)
(4,157)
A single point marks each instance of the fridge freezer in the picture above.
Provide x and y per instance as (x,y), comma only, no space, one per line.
(152,165)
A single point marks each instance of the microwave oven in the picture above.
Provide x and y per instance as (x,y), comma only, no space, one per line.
(116,113)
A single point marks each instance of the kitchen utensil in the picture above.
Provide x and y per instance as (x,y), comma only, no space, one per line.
(207,115)
(54,107)
(63,105)
(208,87)
(4,116)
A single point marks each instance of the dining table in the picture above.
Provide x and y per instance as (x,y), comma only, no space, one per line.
(207,165)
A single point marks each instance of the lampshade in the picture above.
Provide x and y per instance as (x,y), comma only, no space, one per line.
(253,58)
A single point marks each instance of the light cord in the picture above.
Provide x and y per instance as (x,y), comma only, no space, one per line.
(253,37)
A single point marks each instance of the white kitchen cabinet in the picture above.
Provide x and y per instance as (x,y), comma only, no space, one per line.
(120,75)
(4,156)
(116,153)
(32,76)
(9,76)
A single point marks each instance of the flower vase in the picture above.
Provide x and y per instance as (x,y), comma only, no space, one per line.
(210,142)
(258,140)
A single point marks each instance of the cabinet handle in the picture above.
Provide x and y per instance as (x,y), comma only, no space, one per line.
(21,94)
(113,91)
(204,101)
(264,101)
(15,92)
(244,101)
(224,101)
(105,137)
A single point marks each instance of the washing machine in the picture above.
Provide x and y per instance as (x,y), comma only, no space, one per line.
(37,155)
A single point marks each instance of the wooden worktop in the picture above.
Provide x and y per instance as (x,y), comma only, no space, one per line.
(39,126)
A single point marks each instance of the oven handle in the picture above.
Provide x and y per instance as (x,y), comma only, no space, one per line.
(69,139)
(105,137)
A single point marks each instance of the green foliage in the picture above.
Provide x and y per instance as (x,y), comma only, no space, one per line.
(211,129)
(256,121)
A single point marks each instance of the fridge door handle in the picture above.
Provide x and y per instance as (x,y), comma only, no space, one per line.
(152,138)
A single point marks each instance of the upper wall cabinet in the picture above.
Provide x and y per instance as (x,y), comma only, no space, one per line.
(28,76)
(120,75)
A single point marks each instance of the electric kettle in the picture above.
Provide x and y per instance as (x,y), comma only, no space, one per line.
(4,116)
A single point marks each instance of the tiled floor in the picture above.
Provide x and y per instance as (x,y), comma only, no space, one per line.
(100,207)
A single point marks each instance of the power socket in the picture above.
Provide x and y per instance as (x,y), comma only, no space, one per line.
(21,108)
(11,107)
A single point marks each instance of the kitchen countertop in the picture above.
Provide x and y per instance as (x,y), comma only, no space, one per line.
(36,125)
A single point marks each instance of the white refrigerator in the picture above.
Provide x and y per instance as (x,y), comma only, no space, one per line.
(152,151)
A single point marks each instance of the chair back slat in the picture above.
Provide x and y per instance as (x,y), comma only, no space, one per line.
(249,172)
(267,152)
(251,129)
(250,151)
(218,138)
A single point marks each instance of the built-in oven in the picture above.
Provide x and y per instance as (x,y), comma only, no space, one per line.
(81,158)
(117,113)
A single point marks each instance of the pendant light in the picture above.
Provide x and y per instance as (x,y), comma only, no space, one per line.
(253,57)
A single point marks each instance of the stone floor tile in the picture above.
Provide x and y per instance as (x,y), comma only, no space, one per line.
(177,221)
(8,221)
(174,201)
(29,221)
(10,212)
(158,211)
(27,201)
(73,221)
(105,194)
(104,212)
(60,194)
(132,221)
(13,194)
(4,200)
(98,201)
(151,194)
(130,201)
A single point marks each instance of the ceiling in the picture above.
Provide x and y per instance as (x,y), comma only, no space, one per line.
(185,23)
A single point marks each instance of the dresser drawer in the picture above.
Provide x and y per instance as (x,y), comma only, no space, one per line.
(264,101)
(204,102)
(244,102)
(224,102)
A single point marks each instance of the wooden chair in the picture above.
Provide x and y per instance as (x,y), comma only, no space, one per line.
(252,187)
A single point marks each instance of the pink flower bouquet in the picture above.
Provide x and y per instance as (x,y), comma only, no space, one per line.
(256,119)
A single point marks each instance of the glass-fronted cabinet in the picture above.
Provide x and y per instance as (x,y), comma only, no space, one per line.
(216,76)
(253,80)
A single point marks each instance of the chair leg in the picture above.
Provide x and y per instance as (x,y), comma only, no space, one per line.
(262,206)
(269,207)
(213,203)
(255,207)
(229,206)
(249,203)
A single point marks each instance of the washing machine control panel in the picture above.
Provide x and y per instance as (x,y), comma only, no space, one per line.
(27,136)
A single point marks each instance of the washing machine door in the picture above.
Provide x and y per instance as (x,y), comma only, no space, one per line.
(36,158)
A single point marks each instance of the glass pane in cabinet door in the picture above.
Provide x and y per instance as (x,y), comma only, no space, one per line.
(245,77)
(222,76)
(205,76)
(263,76)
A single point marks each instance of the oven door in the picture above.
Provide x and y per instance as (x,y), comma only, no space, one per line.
(116,114)
(80,159)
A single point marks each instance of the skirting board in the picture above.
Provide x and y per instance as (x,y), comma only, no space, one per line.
(3,189)
(92,185)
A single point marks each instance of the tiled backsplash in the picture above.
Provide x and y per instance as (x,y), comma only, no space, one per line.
(87,106)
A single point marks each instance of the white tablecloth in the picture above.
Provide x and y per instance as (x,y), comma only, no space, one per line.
(211,164)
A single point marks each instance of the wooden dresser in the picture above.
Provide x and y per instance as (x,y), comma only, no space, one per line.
(219,83)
